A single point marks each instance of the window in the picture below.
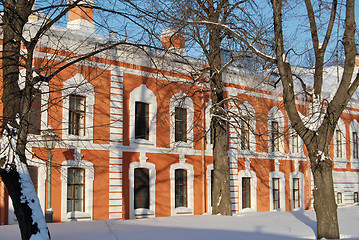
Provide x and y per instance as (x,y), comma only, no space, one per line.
(275,137)
(246,192)
(75,189)
(275,192)
(296,193)
(339,198)
(355,145)
(142,188)
(295,143)
(33,172)
(181,188)
(180,124)
(77,115)
(35,113)
(141,121)
(338,140)
(244,134)
(356,197)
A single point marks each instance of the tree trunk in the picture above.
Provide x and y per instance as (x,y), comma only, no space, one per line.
(221,179)
(324,199)
(24,213)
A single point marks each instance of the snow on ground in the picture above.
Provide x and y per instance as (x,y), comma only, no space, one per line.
(251,226)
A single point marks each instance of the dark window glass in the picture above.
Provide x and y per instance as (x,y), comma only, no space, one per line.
(355,145)
(356,197)
(339,198)
(246,192)
(33,172)
(141,120)
(35,113)
(296,193)
(77,115)
(275,136)
(181,188)
(339,152)
(244,134)
(142,188)
(276,193)
(75,189)
(180,124)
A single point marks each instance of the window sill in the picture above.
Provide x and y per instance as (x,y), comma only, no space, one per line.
(183,210)
(182,145)
(247,210)
(143,212)
(354,162)
(340,162)
(78,216)
(142,141)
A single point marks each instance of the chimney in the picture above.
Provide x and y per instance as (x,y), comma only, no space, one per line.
(82,18)
(173,41)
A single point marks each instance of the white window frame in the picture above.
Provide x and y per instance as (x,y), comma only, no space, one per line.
(44,88)
(145,95)
(209,145)
(142,212)
(184,101)
(340,162)
(276,115)
(354,127)
(247,110)
(299,175)
(210,167)
(253,176)
(88,200)
(189,210)
(280,175)
(78,85)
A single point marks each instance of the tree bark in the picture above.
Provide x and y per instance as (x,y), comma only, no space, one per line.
(221,181)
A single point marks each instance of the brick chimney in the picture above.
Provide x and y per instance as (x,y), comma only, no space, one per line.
(82,18)
(173,41)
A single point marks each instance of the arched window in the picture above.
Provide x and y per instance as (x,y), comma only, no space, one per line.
(340,160)
(276,130)
(77,190)
(78,108)
(142,178)
(182,176)
(143,110)
(277,190)
(182,114)
(247,140)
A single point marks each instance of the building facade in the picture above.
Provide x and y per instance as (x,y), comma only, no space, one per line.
(134,139)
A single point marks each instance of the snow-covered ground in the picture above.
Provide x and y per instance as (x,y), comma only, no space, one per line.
(266,225)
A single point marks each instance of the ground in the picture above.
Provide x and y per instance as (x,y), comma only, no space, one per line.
(247,226)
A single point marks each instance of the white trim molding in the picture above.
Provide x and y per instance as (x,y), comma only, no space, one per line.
(340,162)
(210,167)
(275,114)
(145,95)
(184,101)
(280,175)
(88,201)
(78,85)
(247,111)
(299,175)
(253,176)
(141,213)
(354,127)
(189,210)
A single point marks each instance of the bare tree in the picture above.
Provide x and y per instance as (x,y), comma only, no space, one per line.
(21,40)
(328,110)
